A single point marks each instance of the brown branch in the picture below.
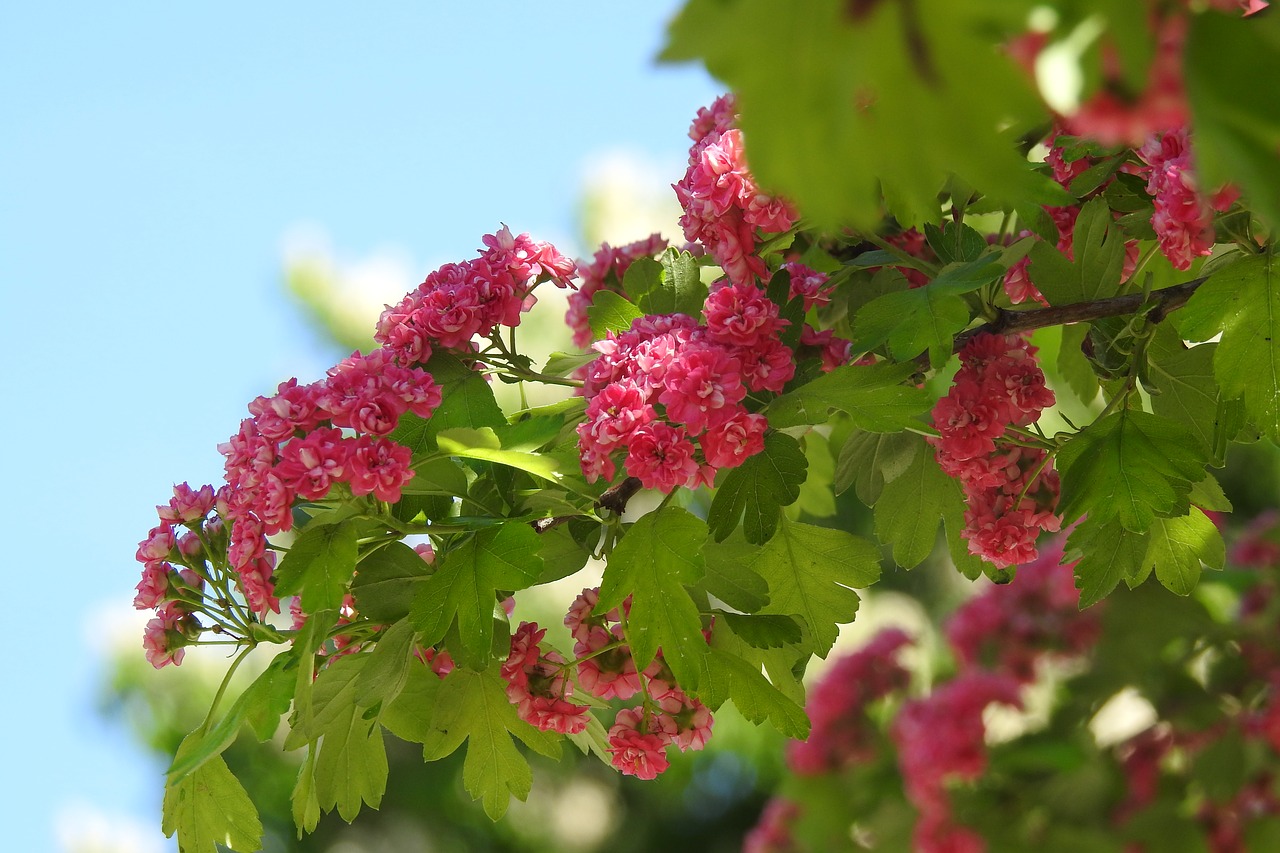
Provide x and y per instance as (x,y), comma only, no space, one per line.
(1161,301)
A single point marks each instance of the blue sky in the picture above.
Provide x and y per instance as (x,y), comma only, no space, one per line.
(153,157)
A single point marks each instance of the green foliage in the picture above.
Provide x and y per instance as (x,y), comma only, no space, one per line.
(878,94)
(1130,466)
(659,556)
(912,504)
(610,312)
(209,807)
(1242,301)
(319,566)
(465,584)
(470,707)
(873,397)
(669,285)
(757,490)
(1098,249)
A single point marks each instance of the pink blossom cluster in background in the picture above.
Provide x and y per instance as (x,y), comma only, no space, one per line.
(723,206)
(303,441)
(1010,491)
(1009,628)
(1183,218)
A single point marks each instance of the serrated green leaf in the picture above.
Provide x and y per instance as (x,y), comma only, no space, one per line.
(872,395)
(659,555)
(868,460)
(209,807)
(319,566)
(384,676)
(1098,259)
(955,242)
(351,765)
(912,505)
(812,572)
(464,587)
(470,707)
(669,285)
(1242,300)
(1130,466)
(875,94)
(758,489)
(763,632)
(610,312)
(1186,391)
(387,581)
(1177,546)
(305,804)
(729,579)
(438,477)
(727,677)
(1208,494)
(1108,554)
(1074,365)
(263,702)
(1236,121)
(561,554)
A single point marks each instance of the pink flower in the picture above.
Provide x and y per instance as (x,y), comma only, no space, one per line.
(702,388)
(378,466)
(633,752)
(741,315)
(187,505)
(153,589)
(158,545)
(731,443)
(292,409)
(311,465)
(661,456)
(165,636)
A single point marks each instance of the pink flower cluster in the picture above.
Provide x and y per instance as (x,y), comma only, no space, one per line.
(668,382)
(941,737)
(773,832)
(1010,491)
(537,686)
(1183,218)
(460,301)
(666,716)
(605,272)
(1010,628)
(722,204)
(841,733)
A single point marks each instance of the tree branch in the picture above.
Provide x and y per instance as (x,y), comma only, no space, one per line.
(1161,301)
(613,499)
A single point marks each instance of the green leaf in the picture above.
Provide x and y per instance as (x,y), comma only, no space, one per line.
(955,242)
(610,312)
(811,572)
(868,460)
(1236,120)
(669,285)
(470,707)
(876,94)
(729,579)
(209,807)
(565,363)
(758,489)
(1130,466)
(384,676)
(465,584)
(924,318)
(1075,366)
(1179,545)
(561,553)
(1108,554)
(1097,246)
(306,806)
(319,566)
(1208,494)
(658,556)
(912,505)
(351,766)
(872,395)
(483,444)
(262,702)
(816,498)
(1183,378)
(387,581)
(728,677)
(439,477)
(1243,301)
(466,400)
(763,632)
